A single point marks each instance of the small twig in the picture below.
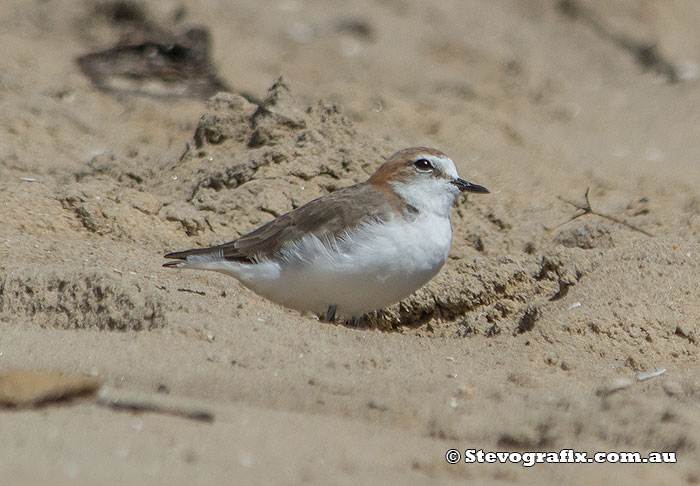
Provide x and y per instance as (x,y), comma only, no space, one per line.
(137,405)
(185,152)
(206,220)
(198,292)
(587,209)
(194,192)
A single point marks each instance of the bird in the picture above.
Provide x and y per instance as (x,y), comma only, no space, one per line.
(356,250)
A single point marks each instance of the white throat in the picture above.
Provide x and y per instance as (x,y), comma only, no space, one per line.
(428,194)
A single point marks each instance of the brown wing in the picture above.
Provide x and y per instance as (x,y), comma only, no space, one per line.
(325,217)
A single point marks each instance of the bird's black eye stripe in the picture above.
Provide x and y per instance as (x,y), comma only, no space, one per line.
(423,165)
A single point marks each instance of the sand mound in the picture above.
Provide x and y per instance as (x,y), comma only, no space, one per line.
(250,163)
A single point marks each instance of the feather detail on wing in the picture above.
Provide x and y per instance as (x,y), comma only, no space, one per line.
(327,218)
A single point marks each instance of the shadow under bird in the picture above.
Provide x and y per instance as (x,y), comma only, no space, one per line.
(356,250)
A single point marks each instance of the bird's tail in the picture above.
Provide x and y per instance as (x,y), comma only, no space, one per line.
(194,257)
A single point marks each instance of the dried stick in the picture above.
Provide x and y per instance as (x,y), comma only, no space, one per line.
(141,405)
(587,209)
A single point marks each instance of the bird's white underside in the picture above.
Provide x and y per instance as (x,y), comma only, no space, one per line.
(375,265)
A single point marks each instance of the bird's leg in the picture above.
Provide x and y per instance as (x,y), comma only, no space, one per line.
(330,313)
(354,321)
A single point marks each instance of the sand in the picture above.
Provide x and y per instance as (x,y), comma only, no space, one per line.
(533,337)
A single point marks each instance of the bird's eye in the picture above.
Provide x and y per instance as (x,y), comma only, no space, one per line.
(423,165)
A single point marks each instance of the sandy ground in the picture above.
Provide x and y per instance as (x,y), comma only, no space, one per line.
(533,336)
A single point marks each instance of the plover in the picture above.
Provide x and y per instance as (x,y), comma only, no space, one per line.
(356,250)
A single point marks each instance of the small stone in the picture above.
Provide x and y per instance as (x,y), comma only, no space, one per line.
(673,388)
(464,392)
(377,405)
(566,365)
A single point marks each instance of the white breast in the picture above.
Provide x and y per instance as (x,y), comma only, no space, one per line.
(374,266)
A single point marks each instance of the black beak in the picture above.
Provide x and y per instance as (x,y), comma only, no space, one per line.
(466,186)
